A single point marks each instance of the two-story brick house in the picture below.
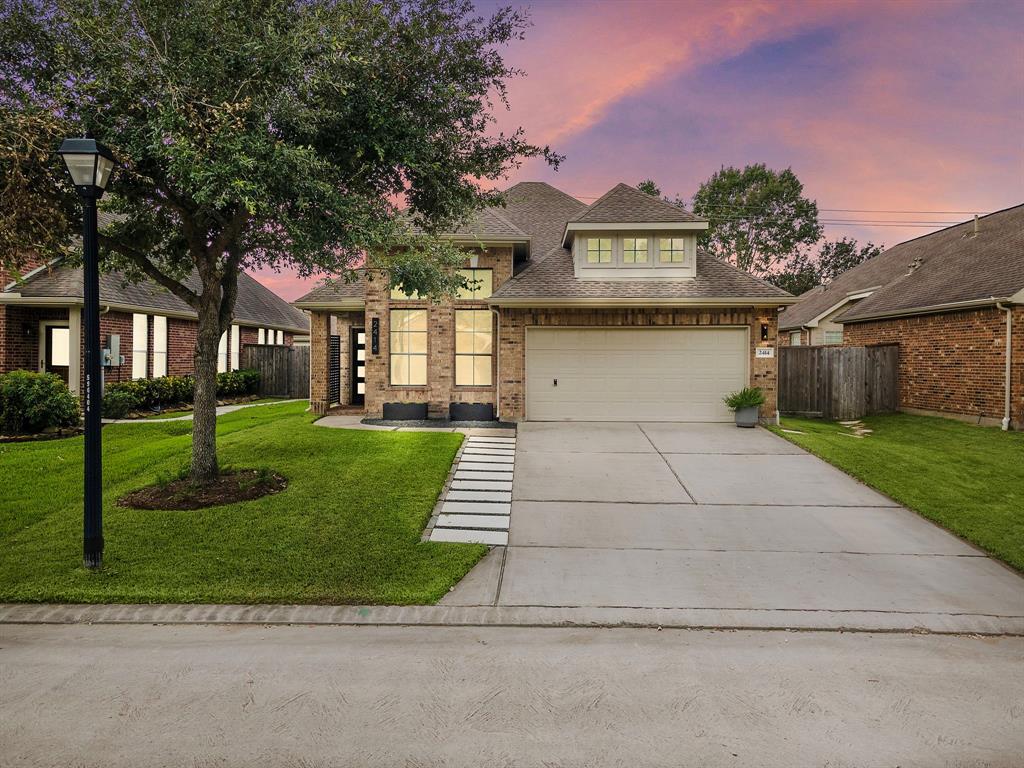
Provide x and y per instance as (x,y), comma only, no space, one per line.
(605,312)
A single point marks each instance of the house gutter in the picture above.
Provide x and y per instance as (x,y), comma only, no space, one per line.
(1008,309)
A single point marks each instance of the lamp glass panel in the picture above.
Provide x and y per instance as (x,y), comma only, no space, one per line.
(103,168)
(81,167)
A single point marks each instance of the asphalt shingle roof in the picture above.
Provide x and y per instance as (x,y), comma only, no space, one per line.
(490,222)
(623,204)
(954,265)
(334,291)
(255,305)
(554,278)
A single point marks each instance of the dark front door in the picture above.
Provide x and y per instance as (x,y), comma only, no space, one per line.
(58,351)
(358,347)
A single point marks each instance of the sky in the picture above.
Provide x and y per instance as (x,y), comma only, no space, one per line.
(914,109)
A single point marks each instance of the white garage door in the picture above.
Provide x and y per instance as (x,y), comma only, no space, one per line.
(633,374)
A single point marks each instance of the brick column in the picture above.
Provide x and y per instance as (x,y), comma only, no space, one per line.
(319,358)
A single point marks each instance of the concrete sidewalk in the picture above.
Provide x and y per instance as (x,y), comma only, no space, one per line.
(361,696)
(729,523)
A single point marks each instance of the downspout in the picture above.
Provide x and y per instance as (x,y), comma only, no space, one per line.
(1008,309)
(805,328)
(497,364)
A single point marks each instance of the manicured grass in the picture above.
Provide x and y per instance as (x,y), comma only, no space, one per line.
(188,411)
(966,478)
(346,530)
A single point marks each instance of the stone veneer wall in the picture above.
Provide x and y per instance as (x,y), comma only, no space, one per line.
(953,362)
(514,323)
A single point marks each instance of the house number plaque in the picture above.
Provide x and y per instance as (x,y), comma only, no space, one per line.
(375,335)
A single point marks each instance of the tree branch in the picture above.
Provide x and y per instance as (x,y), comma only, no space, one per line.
(149,269)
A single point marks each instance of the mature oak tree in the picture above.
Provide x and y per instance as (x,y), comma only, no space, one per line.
(759,217)
(255,133)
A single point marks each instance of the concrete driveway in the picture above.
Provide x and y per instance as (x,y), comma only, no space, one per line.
(734,523)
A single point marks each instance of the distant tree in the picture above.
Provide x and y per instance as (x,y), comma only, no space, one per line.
(647,186)
(759,217)
(838,256)
(255,133)
(799,275)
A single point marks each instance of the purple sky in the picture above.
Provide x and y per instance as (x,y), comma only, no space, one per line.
(898,106)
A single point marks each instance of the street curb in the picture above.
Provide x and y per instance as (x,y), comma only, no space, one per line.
(515,616)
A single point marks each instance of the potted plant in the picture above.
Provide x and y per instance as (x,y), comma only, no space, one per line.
(746,404)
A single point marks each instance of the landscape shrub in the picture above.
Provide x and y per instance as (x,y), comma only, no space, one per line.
(33,402)
(168,391)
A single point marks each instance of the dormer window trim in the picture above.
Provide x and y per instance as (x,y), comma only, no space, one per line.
(653,266)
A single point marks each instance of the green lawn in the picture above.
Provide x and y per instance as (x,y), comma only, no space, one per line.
(188,411)
(346,530)
(966,478)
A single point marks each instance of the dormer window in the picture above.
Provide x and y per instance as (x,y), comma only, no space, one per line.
(599,250)
(634,250)
(671,250)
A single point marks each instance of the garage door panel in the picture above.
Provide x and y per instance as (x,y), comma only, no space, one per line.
(645,374)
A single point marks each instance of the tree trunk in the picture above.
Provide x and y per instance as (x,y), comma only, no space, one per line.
(204,420)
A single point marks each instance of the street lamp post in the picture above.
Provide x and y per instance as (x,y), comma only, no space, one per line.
(90,164)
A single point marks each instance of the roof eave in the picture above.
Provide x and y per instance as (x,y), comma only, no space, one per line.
(346,305)
(935,309)
(813,322)
(725,301)
(628,226)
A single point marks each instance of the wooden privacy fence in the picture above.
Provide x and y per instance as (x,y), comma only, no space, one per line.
(838,382)
(284,371)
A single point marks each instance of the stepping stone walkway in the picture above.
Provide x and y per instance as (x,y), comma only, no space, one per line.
(478,503)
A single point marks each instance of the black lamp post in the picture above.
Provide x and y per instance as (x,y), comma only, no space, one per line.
(90,164)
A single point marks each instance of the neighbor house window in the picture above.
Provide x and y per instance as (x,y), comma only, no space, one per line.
(140,345)
(474,344)
(261,336)
(794,339)
(236,347)
(222,353)
(833,337)
(479,283)
(159,345)
(408,347)
(671,250)
(634,250)
(599,250)
(280,338)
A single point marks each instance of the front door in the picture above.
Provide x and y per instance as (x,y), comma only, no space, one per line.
(55,355)
(358,364)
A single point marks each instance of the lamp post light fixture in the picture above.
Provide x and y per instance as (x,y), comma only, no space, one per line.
(90,164)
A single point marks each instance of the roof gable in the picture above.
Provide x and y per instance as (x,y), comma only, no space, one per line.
(623,204)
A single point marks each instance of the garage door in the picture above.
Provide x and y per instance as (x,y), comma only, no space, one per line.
(633,374)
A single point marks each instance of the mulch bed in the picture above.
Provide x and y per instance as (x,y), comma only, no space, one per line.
(57,434)
(229,488)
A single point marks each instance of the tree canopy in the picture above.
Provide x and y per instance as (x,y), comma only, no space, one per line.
(299,134)
(759,217)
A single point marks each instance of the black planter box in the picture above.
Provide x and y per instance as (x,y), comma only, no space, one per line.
(471,412)
(405,411)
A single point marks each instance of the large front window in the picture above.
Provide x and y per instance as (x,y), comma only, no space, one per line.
(474,344)
(634,250)
(408,347)
(671,250)
(479,283)
(599,250)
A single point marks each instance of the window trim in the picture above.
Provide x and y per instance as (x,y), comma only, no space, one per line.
(140,351)
(456,354)
(798,336)
(825,335)
(161,354)
(425,354)
(635,264)
(612,260)
(672,263)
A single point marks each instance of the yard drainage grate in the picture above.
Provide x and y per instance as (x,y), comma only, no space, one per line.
(477,507)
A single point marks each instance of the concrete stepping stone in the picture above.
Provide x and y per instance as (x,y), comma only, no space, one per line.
(492,522)
(491,458)
(489,449)
(470,474)
(491,442)
(481,485)
(493,538)
(476,508)
(479,496)
(480,466)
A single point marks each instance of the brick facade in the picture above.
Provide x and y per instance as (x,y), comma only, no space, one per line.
(514,323)
(954,362)
(441,391)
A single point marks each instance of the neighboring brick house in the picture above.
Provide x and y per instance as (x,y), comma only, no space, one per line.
(953,301)
(40,325)
(605,312)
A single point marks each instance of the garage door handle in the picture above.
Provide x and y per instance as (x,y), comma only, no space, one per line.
(554,382)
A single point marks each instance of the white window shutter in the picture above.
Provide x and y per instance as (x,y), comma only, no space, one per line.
(159,345)
(236,347)
(140,345)
(222,353)
(261,336)
(280,337)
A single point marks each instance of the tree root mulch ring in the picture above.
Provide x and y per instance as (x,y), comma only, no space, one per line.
(228,488)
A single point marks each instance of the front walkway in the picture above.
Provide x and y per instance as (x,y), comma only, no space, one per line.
(708,518)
